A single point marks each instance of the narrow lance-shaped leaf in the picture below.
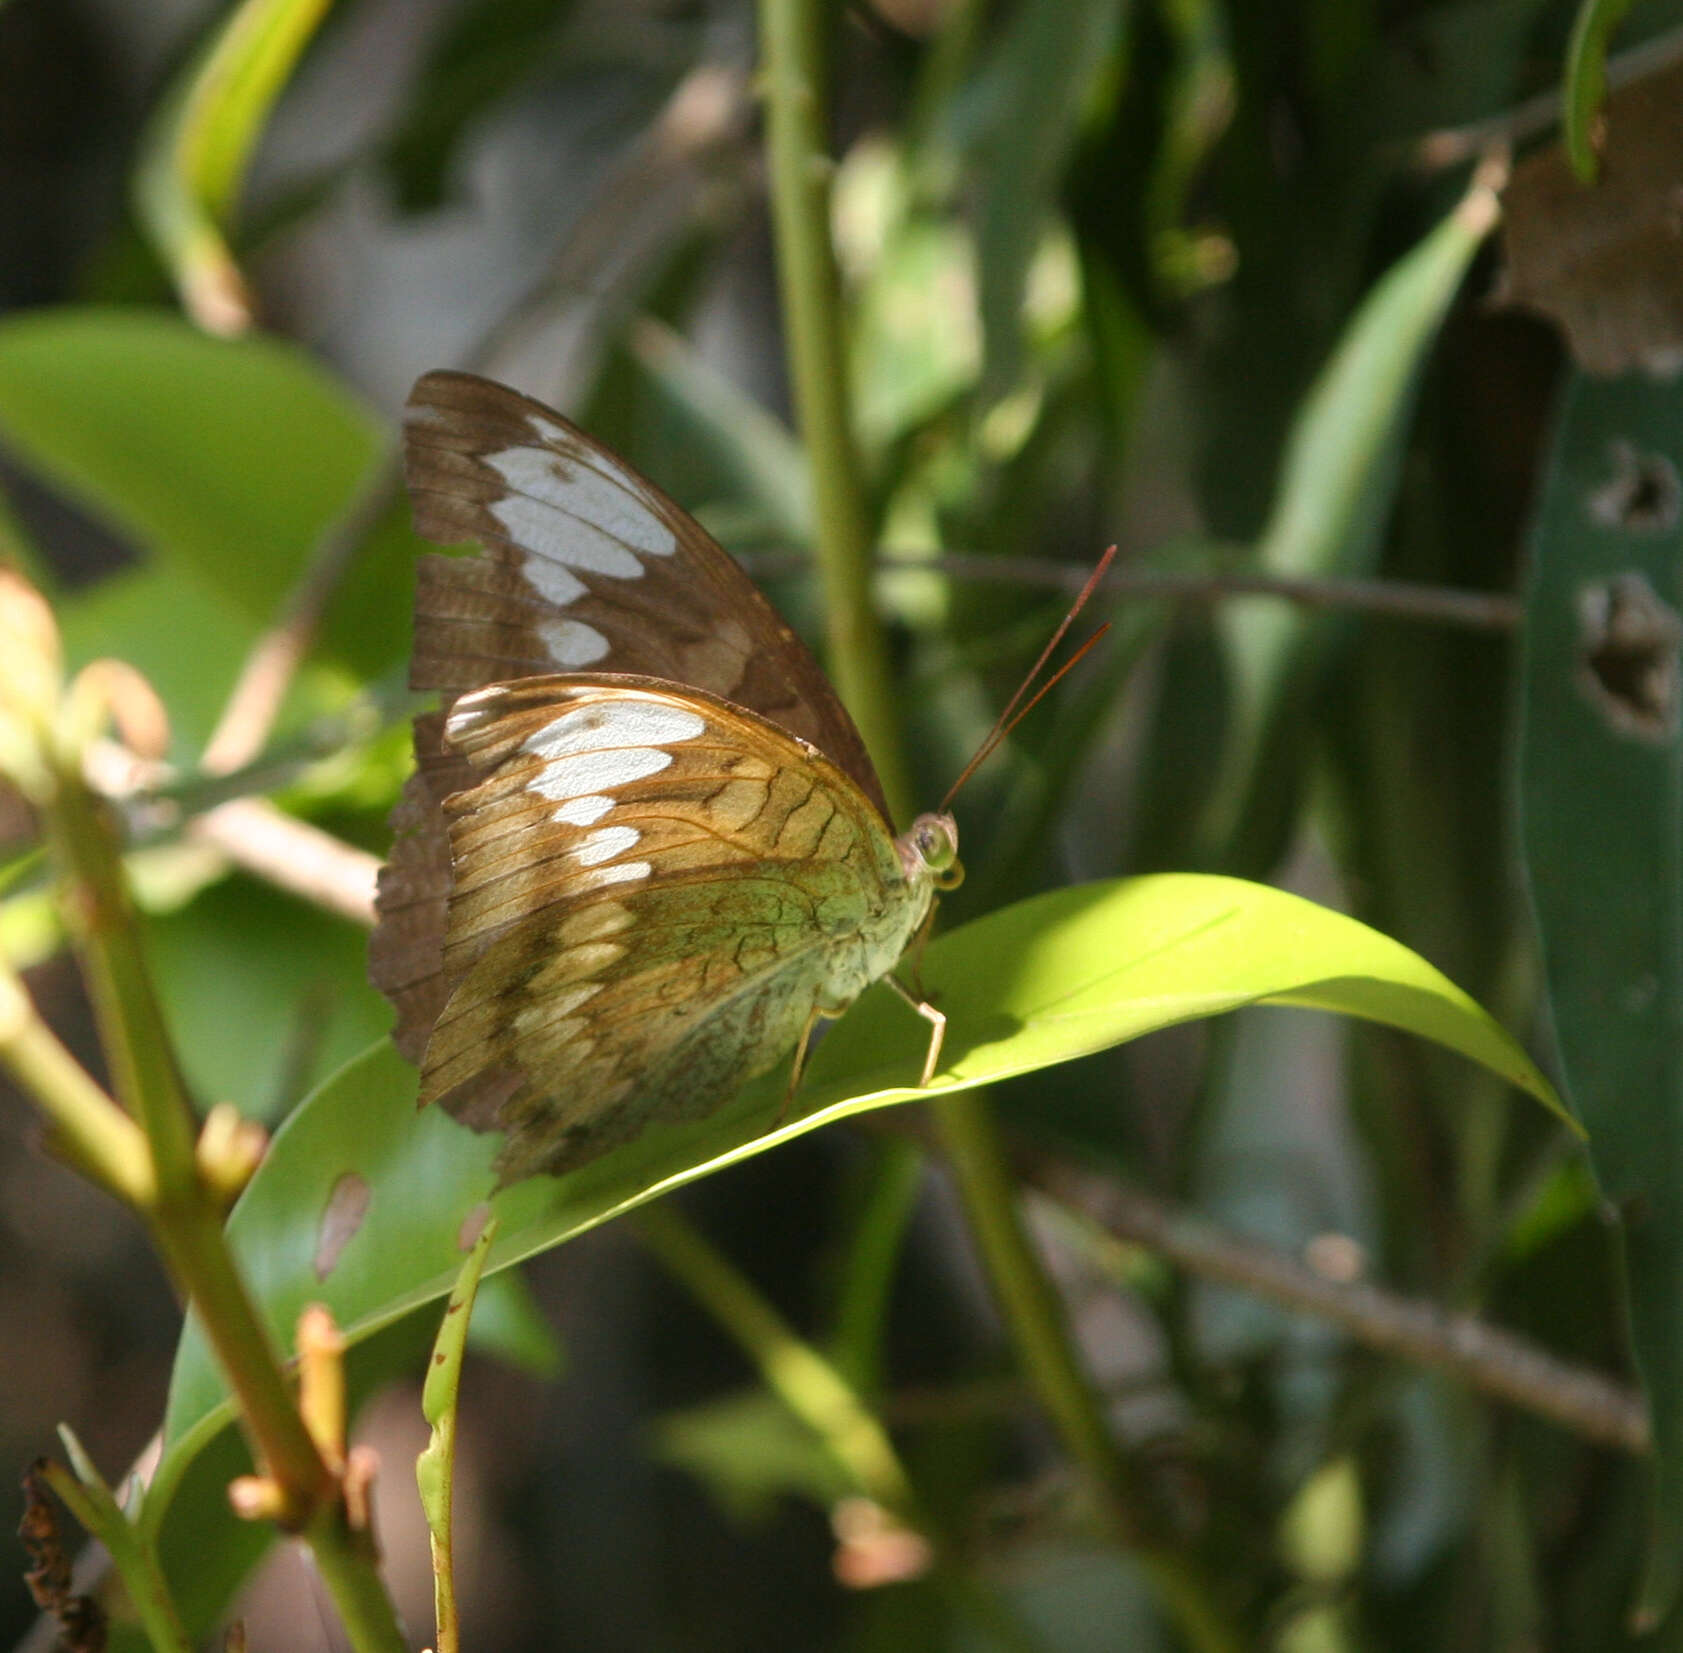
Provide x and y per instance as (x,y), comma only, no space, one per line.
(1586,79)
(1055,977)
(196,151)
(1334,492)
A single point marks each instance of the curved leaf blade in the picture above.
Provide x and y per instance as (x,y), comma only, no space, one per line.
(200,143)
(1055,977)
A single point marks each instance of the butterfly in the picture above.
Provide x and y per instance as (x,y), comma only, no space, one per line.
(644,851)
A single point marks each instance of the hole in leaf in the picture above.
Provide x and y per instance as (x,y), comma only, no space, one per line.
(347,1205)
(473,1225)
(1643,494)
(1627,656)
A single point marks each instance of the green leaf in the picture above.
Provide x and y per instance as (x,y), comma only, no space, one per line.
(296,1008)
(199,143)
(223,460)
(1048,979)
(1586,79)
(140,615)
(1601,789)
(749,1450)
(1335,486)
(1023,116)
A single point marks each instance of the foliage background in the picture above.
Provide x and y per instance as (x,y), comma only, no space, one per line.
(1097,256)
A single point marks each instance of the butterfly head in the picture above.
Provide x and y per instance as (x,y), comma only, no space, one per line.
(930,850)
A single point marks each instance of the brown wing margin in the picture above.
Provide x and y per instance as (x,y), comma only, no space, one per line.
(692,617)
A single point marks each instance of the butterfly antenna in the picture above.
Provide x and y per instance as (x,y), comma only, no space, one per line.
(1011,716)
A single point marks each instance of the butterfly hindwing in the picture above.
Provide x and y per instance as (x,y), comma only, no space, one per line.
(652,891)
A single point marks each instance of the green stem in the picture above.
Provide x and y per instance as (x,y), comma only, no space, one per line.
(1034,1317)
(185,1222)
(131,1025)
(91,1501)
(792,82)
(184,1216)
(349,1566)
(808,1384)
(792,78)
(88,1128)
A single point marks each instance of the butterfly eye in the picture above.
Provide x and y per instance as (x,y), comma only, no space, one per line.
(936,838)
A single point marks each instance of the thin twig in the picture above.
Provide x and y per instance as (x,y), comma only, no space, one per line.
(1385,599)
(255,700)
(1451,146)
(1497,1362)
(251,833)
(293,855)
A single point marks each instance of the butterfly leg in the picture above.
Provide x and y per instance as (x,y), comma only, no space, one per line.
(919,942)
(798,1067)
(937,1026)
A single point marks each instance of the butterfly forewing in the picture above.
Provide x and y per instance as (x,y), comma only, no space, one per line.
(590,568)
(653,890)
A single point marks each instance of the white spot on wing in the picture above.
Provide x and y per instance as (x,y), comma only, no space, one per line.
(472,709)
(572,642)
(597,492)
(560,537)
(600,747)
(596,771)
(550,580)
(631,721)
(572,998)
(605,843)
(548,429)
(585,811)
(627,872)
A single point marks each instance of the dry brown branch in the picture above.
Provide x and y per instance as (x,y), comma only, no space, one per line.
(292,855)
(1385,599)
(1497,1362)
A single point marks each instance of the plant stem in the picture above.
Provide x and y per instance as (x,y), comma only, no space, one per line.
(184,1216)
(186,1225)
(791,71)
(1034,1315)
(350,1568)
(792,81)
(88,1127)
(88,1498)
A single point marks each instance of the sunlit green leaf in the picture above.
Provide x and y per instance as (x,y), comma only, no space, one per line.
(1059,976)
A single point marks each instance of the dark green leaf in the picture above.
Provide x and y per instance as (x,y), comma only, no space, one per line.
(1602,798)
